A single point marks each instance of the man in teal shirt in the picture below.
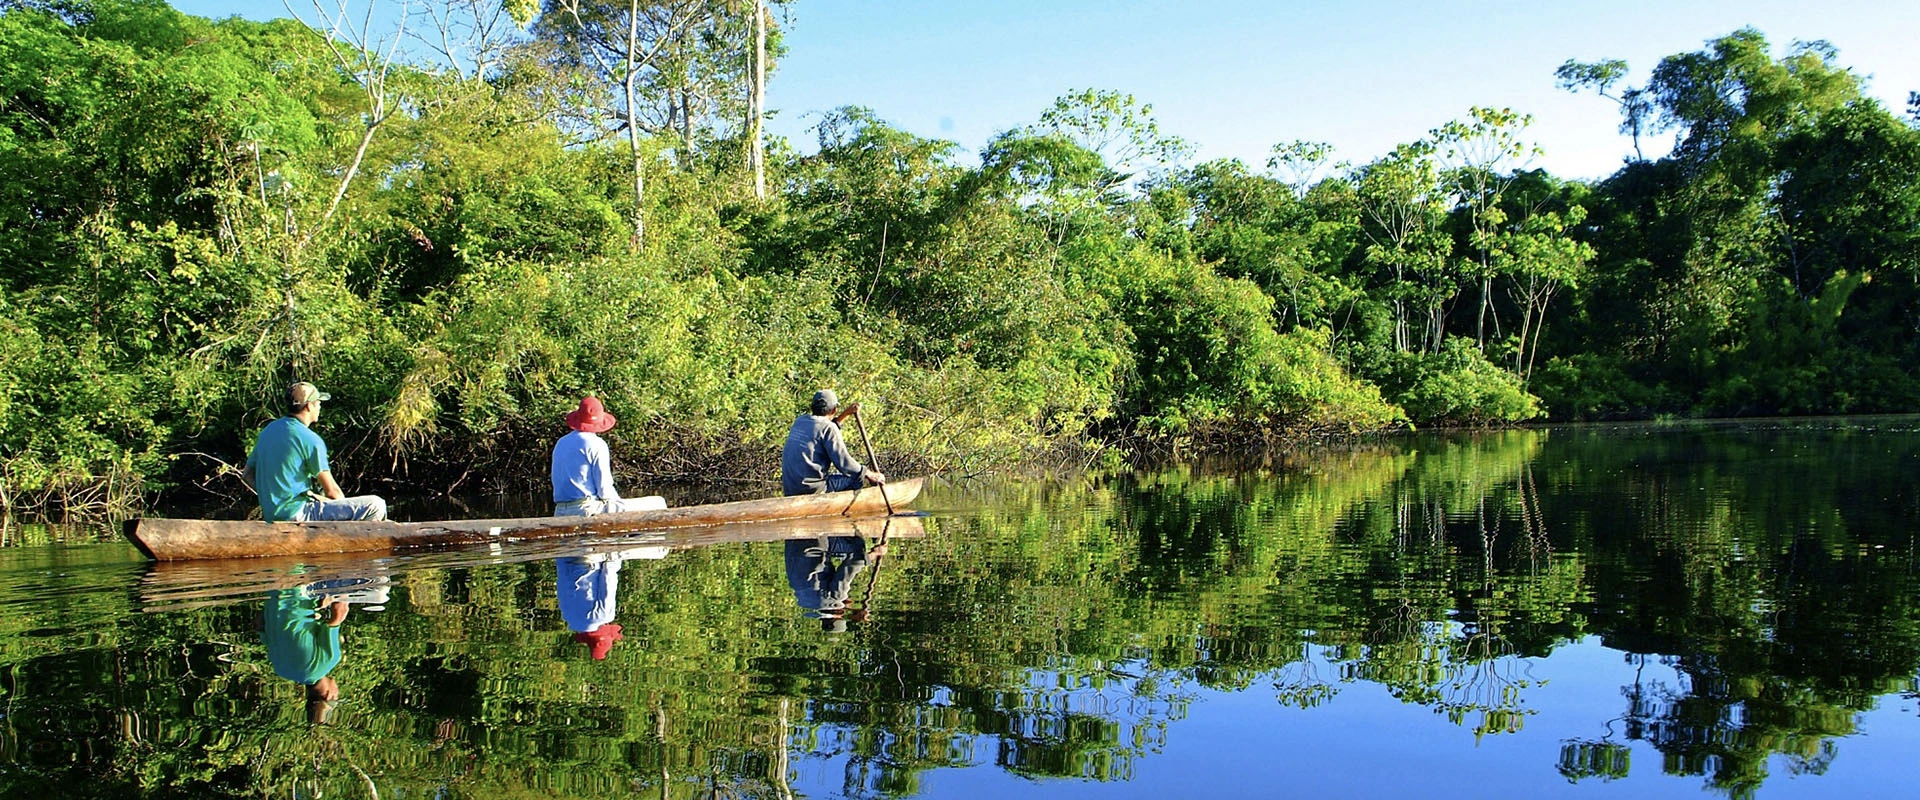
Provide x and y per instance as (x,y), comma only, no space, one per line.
(289,459)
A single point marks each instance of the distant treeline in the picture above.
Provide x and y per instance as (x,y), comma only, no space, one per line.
(459,231)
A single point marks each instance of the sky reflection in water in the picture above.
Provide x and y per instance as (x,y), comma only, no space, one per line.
(1620,610)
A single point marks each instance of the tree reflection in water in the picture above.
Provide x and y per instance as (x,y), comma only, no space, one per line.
(1057,629)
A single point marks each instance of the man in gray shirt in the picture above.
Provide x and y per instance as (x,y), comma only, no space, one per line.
(814,445)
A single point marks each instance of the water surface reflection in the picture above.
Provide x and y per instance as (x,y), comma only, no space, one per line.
(1654,610)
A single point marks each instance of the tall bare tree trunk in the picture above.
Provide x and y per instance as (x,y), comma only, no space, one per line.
(686,125)
(1486,304)
(369,68)
(633,127)
(780,756)
(1520,354)
(757,107)
(1401,337)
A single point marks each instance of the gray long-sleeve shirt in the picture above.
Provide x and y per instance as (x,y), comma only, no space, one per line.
(814,444)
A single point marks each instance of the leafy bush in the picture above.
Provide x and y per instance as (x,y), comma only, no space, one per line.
(1206,354)
(75,432)
(1589,386)
(1457,386)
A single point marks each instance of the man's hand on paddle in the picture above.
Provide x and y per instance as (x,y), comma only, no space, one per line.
(873,476)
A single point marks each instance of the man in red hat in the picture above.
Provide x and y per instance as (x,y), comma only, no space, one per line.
(583,468)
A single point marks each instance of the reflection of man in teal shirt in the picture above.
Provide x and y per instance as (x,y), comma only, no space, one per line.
(304,646)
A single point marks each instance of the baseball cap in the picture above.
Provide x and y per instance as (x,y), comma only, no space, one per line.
(824,402)
(303,393)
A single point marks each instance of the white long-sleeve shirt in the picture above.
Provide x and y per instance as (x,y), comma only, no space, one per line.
(588,587)
(582,469)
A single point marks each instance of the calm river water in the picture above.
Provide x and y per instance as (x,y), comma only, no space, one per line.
(1621,611)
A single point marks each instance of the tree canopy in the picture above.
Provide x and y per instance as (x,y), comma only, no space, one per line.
(450,239)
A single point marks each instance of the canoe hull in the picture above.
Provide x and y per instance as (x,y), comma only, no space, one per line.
(179,585)
(188,539)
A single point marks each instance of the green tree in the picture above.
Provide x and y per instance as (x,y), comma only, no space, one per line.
(1540,256)
(1404,205)
(1125,145)
(1293,242)
(1601,77)
(1478,153)
(637,53)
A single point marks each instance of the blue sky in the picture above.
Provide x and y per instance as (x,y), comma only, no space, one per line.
(1234,77)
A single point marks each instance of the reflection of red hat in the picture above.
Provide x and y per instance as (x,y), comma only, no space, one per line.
(590,417)
(600,639)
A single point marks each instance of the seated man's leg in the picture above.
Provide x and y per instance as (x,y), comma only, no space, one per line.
(578,508)
(364,507)
(843,483)
(652,502)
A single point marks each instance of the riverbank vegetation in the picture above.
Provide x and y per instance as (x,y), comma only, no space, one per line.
(460,231)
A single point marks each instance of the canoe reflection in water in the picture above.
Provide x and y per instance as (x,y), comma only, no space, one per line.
(588,587)
(821,571)
(301,629)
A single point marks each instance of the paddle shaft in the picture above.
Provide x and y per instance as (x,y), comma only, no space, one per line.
(866,600)
(872,463)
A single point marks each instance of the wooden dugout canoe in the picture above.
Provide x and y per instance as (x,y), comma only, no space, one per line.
(179,585)
(188,539)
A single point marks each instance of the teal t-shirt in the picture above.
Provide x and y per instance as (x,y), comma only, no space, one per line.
(302,647)
(285,460)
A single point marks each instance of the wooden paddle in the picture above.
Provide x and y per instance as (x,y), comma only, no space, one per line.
(866,599)
(861,426)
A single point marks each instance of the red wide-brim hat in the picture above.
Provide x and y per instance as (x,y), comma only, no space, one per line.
(599,640)
(590,417)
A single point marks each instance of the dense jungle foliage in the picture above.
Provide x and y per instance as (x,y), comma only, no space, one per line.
(460,232)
